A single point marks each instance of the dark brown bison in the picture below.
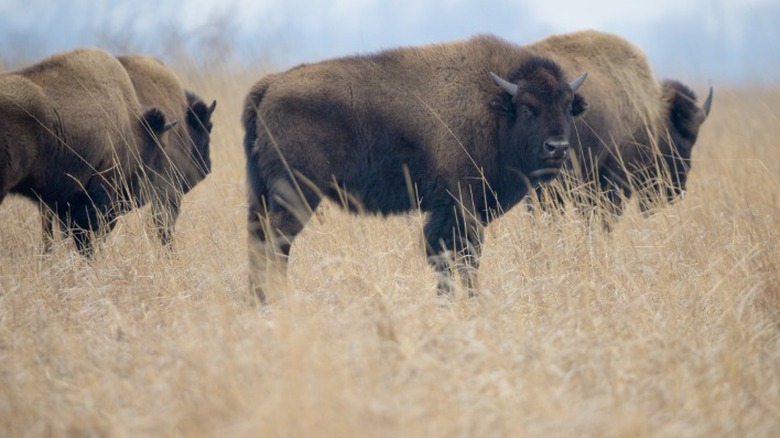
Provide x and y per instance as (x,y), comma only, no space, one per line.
(638,134)
(186,160)
(74,138)
(459,130)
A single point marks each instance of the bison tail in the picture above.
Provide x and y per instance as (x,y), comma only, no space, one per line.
(249,115)
(257,187)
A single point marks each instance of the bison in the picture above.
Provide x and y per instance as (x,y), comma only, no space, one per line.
(74,138)
(186,160)
(638,134)
(459,130)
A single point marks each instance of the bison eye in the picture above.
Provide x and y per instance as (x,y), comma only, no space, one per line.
(526,111)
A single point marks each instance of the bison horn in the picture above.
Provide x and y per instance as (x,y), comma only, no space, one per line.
(169,126)
(211,108)
(575,84)
(707,104)
(504,84)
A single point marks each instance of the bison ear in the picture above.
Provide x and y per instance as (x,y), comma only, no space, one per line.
(199,115)
(154,124)
(578,105)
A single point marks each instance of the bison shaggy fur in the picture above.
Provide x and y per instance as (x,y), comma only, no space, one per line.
(424,128)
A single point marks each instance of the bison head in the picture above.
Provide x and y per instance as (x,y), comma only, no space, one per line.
(199,128)
(152,127)
(538,105)
(683,119)
(149,134)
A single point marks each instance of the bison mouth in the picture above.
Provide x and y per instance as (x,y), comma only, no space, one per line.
(549,169)
(545,173)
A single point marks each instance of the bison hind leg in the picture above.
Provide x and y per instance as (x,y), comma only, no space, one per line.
(276,216)
(453,245)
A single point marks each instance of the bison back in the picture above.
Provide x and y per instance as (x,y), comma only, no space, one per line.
(98,109)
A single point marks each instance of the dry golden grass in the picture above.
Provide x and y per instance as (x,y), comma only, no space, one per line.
(666,327)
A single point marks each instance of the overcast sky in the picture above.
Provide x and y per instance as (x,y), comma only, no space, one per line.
(706,40)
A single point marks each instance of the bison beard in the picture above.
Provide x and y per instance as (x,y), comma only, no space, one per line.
(426,128)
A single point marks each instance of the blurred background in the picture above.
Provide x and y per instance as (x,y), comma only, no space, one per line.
(723,41)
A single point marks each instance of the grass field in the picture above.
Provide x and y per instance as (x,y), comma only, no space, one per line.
(668,326)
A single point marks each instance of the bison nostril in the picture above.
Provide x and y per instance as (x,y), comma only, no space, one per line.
(556,148)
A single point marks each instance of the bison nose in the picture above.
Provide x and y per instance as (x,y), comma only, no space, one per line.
(555,148)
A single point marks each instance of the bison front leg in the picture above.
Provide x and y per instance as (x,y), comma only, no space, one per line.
(454,243)
(47,225)
(81,222)
(165,213)
(90,215)
(609,201)
(276,216)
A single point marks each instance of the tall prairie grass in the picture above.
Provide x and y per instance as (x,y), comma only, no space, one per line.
(667,326)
